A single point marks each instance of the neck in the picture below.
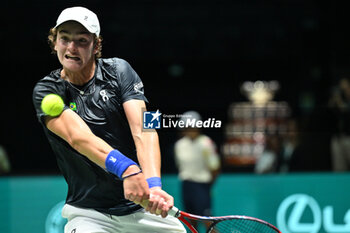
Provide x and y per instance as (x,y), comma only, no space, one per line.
(80,77)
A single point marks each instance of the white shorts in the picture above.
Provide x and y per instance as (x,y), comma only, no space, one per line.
(82,220)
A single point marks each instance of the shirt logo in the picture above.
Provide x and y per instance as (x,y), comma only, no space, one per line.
(138,87)
(104,95)
(151,120)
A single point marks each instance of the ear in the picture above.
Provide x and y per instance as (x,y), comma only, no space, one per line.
(97,47)
(55,43)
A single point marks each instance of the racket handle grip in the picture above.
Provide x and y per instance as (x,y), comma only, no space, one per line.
(174,212)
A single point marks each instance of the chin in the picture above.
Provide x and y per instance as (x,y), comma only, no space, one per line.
(73,67)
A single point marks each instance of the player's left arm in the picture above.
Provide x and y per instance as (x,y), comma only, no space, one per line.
(148,154)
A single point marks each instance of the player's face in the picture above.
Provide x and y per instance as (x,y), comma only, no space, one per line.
(74,46)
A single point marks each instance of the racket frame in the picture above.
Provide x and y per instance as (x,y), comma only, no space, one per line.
(181,215)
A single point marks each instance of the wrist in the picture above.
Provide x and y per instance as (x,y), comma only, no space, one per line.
(117,163)
(130,170)
(128,174)
(154,182)
(155,188)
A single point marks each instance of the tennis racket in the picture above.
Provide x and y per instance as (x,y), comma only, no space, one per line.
(223,224)
(226,224)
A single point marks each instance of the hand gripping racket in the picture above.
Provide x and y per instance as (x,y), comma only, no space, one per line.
(224,224)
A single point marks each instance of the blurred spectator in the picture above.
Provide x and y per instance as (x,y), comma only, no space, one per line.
(5,166)
(198,164)
(340,142)
(268,160)
(290,146)
(281,151)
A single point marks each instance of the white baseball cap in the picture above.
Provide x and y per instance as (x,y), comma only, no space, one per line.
(191,115)
(81,15)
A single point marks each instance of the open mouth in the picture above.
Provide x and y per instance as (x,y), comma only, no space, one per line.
(72,58)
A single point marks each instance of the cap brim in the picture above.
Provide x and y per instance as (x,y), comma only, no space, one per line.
(82,23)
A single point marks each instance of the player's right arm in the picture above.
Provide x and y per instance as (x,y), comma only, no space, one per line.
(70,127)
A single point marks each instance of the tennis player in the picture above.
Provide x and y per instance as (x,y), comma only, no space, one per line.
(109,163)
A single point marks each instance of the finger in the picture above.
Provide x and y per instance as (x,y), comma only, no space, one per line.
(145,197)
(164,214)
(160,206)
(155,201)
(149,206)
(170,202)
(165,208)
(138,199)
(131,197)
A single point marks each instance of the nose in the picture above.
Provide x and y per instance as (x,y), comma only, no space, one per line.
(72,45)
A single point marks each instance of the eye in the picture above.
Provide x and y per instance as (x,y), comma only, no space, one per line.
(64,38)
(82,40)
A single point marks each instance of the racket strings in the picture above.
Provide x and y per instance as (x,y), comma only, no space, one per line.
(240,226)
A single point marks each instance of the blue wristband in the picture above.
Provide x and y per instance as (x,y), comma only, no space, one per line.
(117,163)
(154,182)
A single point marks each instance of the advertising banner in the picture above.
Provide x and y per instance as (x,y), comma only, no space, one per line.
(295,203)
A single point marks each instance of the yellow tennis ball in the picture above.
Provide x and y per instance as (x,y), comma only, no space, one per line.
(52,105)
